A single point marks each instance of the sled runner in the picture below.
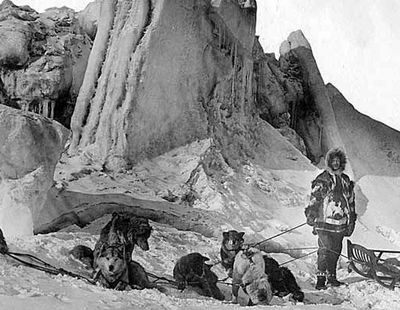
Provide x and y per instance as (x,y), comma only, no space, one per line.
(369,263)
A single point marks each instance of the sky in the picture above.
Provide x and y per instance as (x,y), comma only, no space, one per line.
(355,44)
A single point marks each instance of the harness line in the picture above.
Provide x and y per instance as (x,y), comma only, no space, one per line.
(280,234)
(47,267)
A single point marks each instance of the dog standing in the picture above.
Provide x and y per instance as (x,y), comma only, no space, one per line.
(232,242)
(123,228)
(127,229)
(192,270)
(249,273)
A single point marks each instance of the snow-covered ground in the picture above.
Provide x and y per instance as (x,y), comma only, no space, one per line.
(25,288)
(260,202)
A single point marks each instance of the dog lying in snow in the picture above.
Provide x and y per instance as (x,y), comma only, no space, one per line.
(123,228)
(282,280)
(192,270)
(116,272)
(232,242)
(249,273)
(83,254)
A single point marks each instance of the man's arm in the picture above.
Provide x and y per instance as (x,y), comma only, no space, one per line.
(318,192)
(352,211)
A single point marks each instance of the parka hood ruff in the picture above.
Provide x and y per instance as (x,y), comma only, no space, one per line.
(336,152)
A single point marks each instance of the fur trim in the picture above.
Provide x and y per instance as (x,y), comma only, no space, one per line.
(336,152)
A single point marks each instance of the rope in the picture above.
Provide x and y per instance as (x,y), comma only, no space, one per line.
(280,234)
(297,249)
(292,260)
(324,247)
(157,278)
(216,263)
(46,266)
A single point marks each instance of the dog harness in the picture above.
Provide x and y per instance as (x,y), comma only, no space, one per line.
(118,284)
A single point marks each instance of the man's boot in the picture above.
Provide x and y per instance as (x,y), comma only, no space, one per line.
(321,279)
(332,281)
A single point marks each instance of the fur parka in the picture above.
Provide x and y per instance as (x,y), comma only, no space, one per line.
(332,204)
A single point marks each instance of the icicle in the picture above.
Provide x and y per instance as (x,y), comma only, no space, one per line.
(52,109)
(41,108)
(233,89)
(219,35)
(224,37)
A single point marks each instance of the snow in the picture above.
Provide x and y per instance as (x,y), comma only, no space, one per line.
(260,202)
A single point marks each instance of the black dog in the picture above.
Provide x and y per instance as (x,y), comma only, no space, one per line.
(84,254)
(192,270)
(282,280)
(232,242)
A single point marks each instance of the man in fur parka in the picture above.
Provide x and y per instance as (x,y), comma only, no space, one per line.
(331,212)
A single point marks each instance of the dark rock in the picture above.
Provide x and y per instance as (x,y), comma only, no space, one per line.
(42,60)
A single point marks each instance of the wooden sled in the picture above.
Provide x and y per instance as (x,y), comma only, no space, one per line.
(370,264)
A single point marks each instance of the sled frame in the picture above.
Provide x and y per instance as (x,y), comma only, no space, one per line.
(370,264)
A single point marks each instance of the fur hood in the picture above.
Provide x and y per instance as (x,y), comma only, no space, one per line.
(336,152)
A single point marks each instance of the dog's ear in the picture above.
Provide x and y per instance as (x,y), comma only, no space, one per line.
(205,258)
(225,235)
(102,248)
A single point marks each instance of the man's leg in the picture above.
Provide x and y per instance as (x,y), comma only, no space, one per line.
(336,240)
(322,262)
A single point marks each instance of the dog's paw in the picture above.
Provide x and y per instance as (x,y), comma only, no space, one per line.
(181,285)
(234,300)
(298,296)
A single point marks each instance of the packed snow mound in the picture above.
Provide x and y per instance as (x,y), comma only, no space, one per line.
(192,179)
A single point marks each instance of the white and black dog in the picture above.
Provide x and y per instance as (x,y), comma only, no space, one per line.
(281,279)
(249,273)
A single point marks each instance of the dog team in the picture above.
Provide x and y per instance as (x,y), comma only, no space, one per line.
(259,275)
